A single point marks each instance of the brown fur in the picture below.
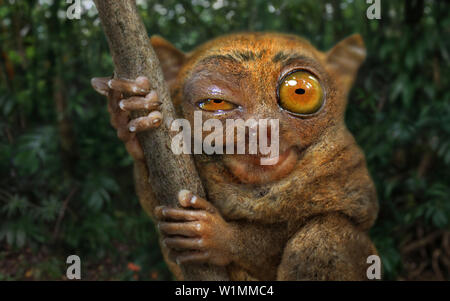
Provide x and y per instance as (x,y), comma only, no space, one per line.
(309,219)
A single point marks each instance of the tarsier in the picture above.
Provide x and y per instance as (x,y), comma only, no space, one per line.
(304,218)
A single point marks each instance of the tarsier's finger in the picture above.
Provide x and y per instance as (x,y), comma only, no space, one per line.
(113,102)
(197,257)
(140,86)
(124,134)
(188,199)
(149,102)
(189,229)
(184,243)
(150,121)
(119,119)
(134,148)
(166,213)
(100,84)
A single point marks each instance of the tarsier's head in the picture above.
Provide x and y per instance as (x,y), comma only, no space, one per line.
(264,76)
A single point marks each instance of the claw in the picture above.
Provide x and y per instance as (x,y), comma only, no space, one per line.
(149,102)
(100,84)
(140,124)
(129,87)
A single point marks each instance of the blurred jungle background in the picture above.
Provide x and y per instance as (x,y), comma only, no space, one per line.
(66,180)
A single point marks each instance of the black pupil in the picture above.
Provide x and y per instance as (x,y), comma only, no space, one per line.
(300,91)
(217,100)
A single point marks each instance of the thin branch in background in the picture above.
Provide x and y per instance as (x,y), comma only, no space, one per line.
(416,272)
(422,242)
(62,212)
(446,243)
(446,261)
(435,264)
(425,164)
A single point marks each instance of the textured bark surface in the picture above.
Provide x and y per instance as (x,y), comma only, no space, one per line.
(133,56)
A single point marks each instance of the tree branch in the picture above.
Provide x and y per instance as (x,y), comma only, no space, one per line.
(133,56)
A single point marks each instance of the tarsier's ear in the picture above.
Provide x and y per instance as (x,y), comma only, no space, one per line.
(169,56)
(346,57)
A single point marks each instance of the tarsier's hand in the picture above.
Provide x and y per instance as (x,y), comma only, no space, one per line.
(195,233)
(125,96)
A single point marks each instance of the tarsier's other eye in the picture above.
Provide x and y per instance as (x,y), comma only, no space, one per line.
(300,93)
(216,105)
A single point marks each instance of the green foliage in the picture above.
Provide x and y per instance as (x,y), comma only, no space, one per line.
(66,180)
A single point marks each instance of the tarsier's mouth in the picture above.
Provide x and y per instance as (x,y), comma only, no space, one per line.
(248,168)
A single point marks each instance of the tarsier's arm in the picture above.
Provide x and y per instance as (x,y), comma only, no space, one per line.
(196,232)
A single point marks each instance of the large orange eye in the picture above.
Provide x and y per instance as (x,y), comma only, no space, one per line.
(300,93)
(216,105)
